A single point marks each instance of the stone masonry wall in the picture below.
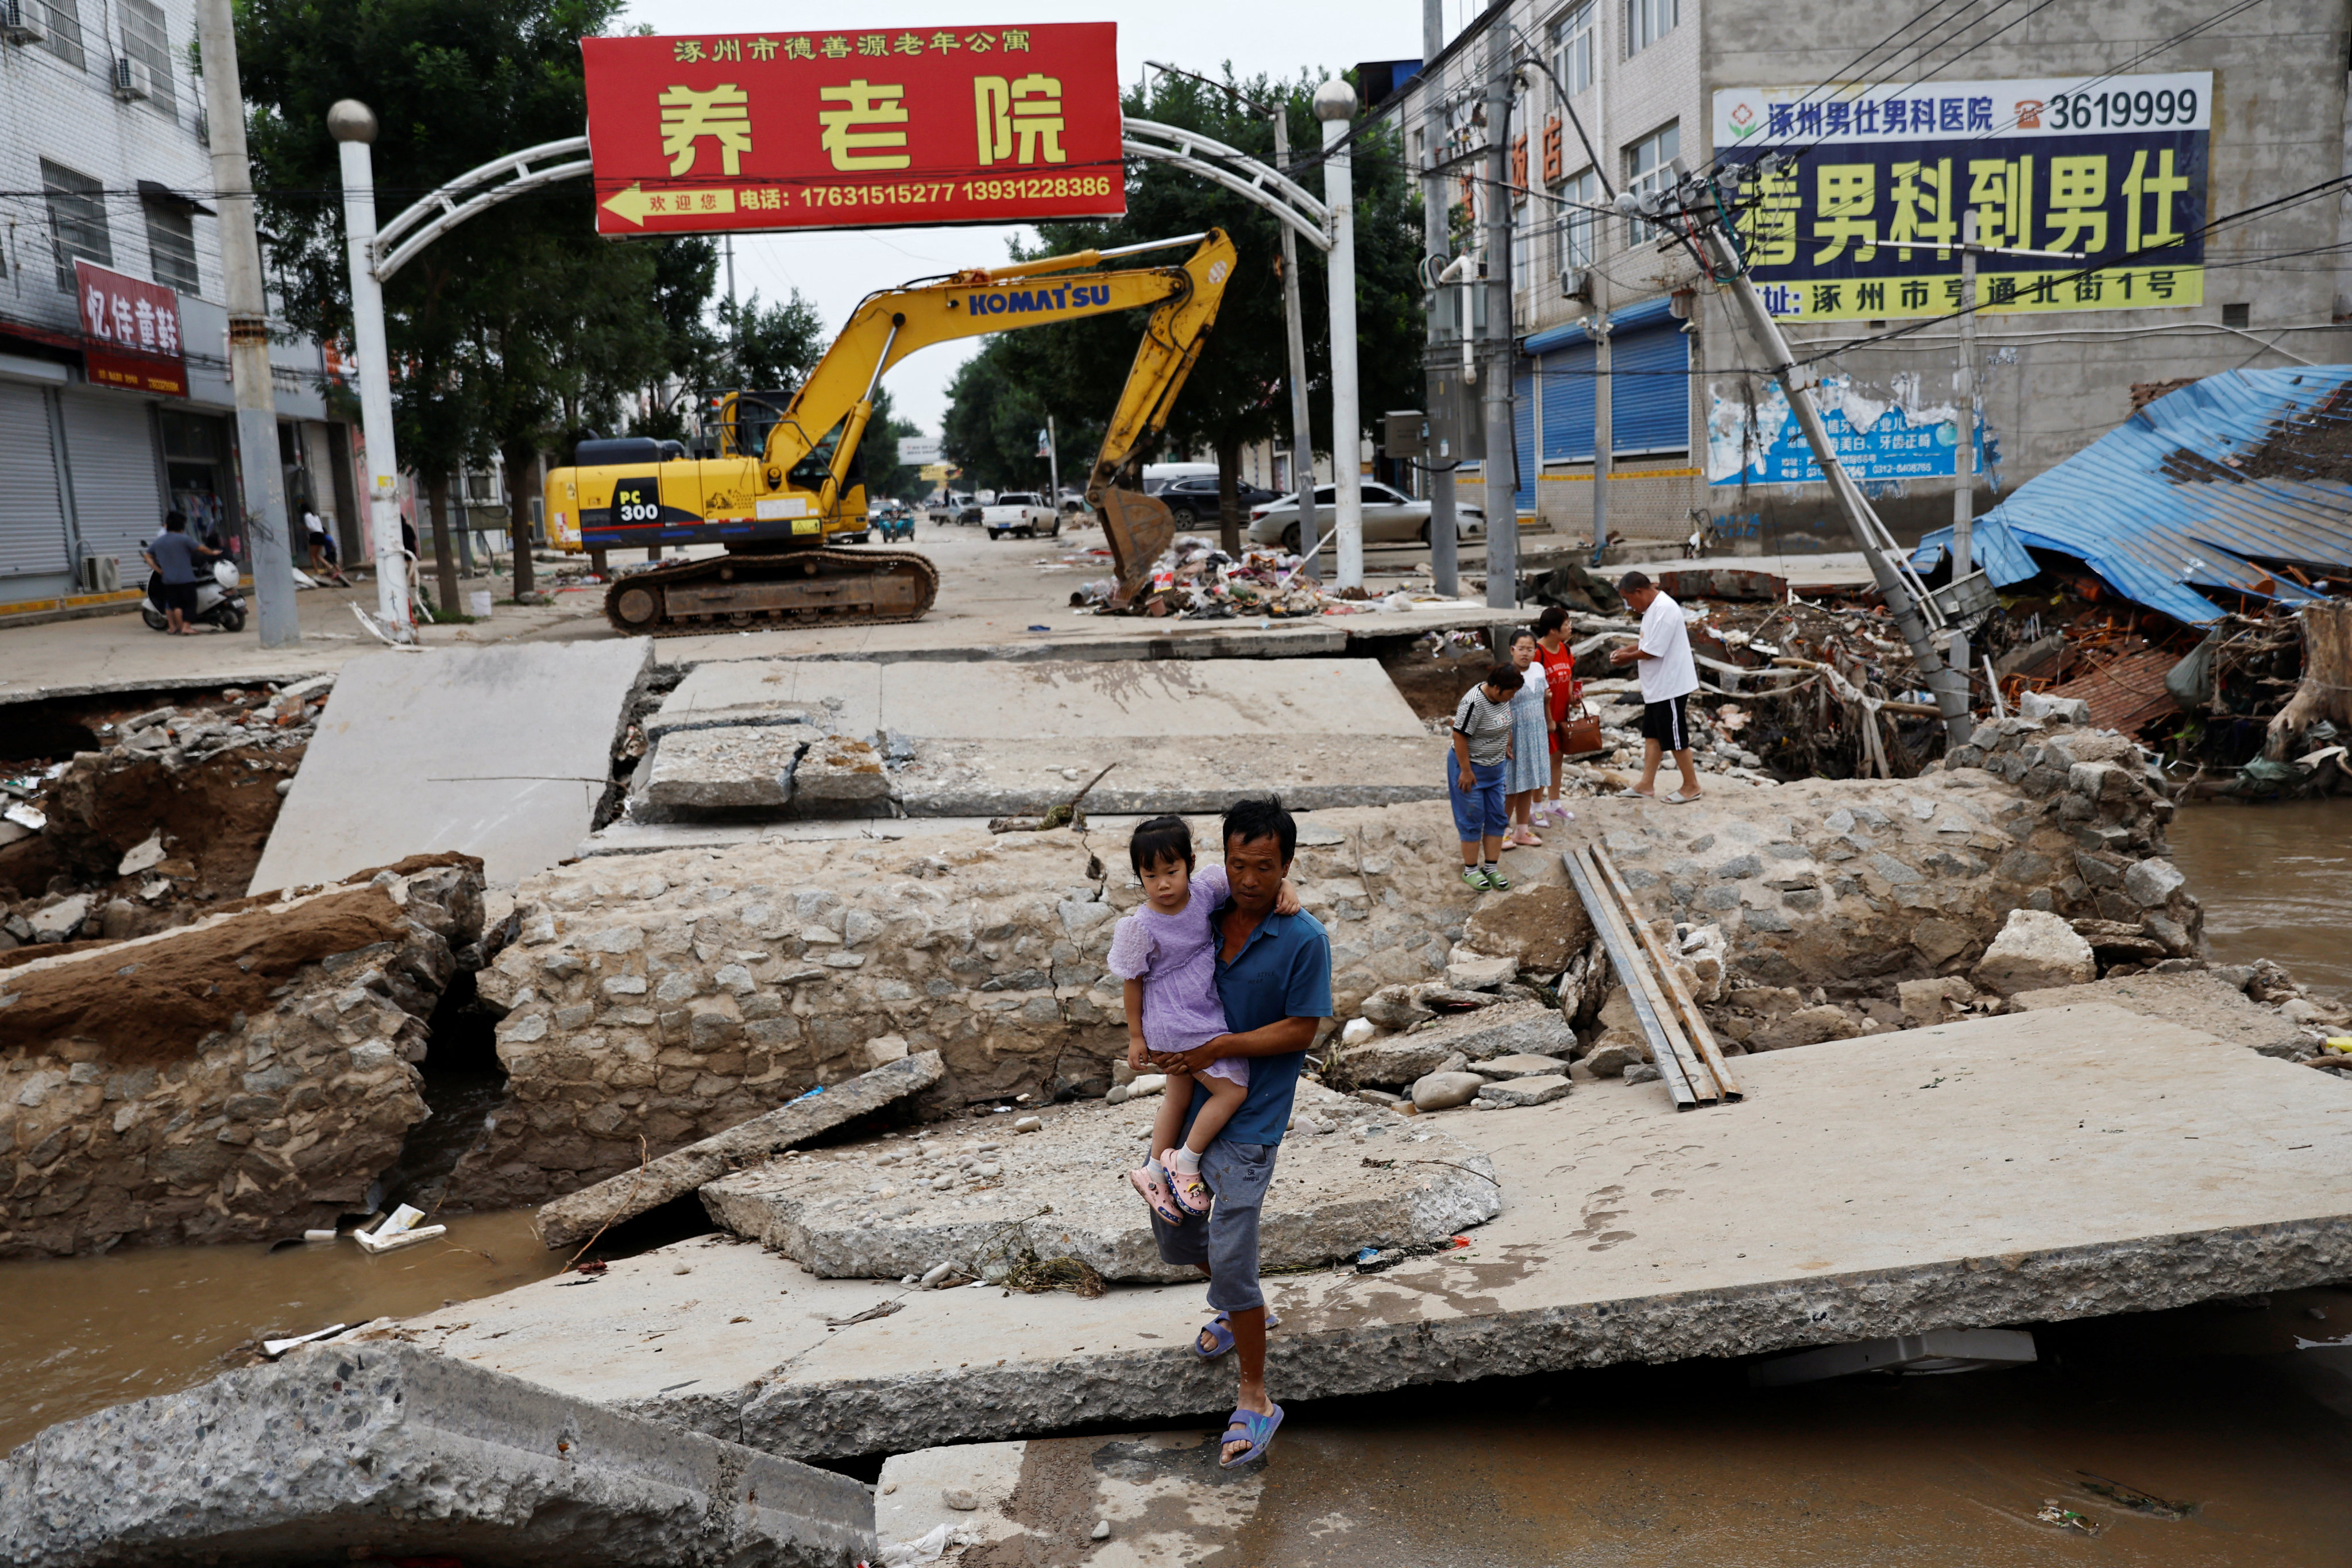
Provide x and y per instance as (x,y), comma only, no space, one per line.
(667,996)
(276,1119)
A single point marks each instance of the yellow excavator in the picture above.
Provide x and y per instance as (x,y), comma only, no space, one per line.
(786,478)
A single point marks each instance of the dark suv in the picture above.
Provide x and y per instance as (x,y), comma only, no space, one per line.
(1193,500)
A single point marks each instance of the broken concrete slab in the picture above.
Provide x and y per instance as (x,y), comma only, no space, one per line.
(2035,950)
(569,1221)
(380,1449)
(1519,1064)
(1135,1499)
(735,767)
(841,695)
(1734,1256)
(1540,1088)
(1021,777)
(842,770)
(500,752)
(2196,999)
(1062,1192)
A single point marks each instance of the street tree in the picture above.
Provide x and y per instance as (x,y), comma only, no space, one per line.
(515,329)
(1238,392)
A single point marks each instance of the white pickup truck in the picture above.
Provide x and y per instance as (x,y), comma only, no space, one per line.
(1023,512)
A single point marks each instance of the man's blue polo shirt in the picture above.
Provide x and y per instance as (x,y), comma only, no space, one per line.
(1282,971)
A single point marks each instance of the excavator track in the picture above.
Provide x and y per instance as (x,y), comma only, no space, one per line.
(789,588)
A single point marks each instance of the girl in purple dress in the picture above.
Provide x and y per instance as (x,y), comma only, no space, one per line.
(1167,953)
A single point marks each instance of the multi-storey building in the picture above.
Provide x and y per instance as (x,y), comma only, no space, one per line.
(2117,132)
(115,404)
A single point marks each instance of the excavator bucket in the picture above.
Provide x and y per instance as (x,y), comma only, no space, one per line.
(1139,530)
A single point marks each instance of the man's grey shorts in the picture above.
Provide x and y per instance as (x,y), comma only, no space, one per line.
(1225,1239)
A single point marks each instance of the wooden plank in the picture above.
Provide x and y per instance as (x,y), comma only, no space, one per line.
(1629,921)
(1694,1023)
(1628,961)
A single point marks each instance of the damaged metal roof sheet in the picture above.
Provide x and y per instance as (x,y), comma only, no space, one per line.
(2214,485)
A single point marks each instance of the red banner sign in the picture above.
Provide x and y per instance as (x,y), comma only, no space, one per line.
(133,328)
(860,129)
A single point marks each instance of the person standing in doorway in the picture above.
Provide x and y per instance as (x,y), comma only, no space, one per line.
(172,556)
(1668,677)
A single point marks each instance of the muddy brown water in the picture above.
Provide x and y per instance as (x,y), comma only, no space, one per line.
(2276,881)
(77,1334)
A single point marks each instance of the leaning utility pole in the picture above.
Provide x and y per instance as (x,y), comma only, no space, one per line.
(1906,598)
(1443,571)
(1501,487)
(1964,459)
(352,124)
(1302,425)
(247,296)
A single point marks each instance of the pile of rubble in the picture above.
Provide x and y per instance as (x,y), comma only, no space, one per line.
(1196,581)
(167,814)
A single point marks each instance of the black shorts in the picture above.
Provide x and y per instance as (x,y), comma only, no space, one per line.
(180,596)
(326,545)
(1667,722)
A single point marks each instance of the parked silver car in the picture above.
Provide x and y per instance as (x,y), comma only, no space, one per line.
(1389,519)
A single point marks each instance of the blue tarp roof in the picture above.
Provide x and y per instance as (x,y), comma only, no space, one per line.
(2165,502)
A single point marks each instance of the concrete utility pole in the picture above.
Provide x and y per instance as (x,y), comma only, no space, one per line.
(1053,465)
(1963,460)
(1604,411)
(1335,106)
(1302,423)
(352,125)
(1444,569)
(1501,499)
(247,295)
(1904,596)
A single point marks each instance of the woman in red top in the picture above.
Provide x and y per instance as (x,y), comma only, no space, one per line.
(1559,669)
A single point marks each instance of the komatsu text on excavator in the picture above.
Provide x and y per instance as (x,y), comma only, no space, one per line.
(786,480)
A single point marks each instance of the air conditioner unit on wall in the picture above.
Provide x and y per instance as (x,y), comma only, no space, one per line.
(101,575)
(132,78)
(24,21)
(1576,283)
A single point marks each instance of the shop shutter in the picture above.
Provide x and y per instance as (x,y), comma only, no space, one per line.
(32,511)
(110,456)
(1652,409)
(1568,405)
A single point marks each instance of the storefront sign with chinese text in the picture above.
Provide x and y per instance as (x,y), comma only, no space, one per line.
(132,329)
(2113,167)
(1877,440)
(854,128)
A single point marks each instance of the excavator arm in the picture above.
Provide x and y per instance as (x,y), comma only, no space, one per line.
(888,326)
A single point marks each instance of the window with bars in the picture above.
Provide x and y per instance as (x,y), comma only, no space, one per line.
(1579,231)
(1575,58)
(1647,21)
(146,40)
(172,248)
(1648,168)
(62,21)
(77,220)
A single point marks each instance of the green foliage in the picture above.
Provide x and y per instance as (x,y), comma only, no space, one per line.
(767,348)
(885,474)
(1238,393)
(518,325)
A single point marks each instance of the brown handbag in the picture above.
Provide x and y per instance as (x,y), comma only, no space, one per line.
(1580,734)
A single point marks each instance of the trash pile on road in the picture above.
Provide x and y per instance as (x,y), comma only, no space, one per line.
(1196,581)
(169,812)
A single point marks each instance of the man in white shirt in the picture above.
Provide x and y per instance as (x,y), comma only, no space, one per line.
(1667,676)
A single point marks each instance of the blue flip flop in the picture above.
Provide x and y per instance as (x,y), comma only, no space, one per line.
(1220,1335)
(1257,1431)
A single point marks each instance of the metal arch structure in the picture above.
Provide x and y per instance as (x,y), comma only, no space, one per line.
(399,241)
(1235,169)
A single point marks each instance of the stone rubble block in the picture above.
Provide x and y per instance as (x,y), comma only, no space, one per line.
(840,769)
(1444,1091)
(730,768)
(1512,1028)
(1520,1065)
(379,1450)
(2035,950)
(569,1221)
(1066,1195)
(1538,1091)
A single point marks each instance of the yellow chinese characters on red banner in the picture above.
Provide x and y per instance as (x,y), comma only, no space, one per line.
(875,126)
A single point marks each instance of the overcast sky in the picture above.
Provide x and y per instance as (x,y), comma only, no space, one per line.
(836,268)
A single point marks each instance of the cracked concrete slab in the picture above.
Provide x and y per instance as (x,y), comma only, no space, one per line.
(1062,1191)
(379,1450)
(1991,1172)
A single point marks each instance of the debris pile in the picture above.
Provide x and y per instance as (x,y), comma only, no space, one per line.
(166,812)
(1196,581)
